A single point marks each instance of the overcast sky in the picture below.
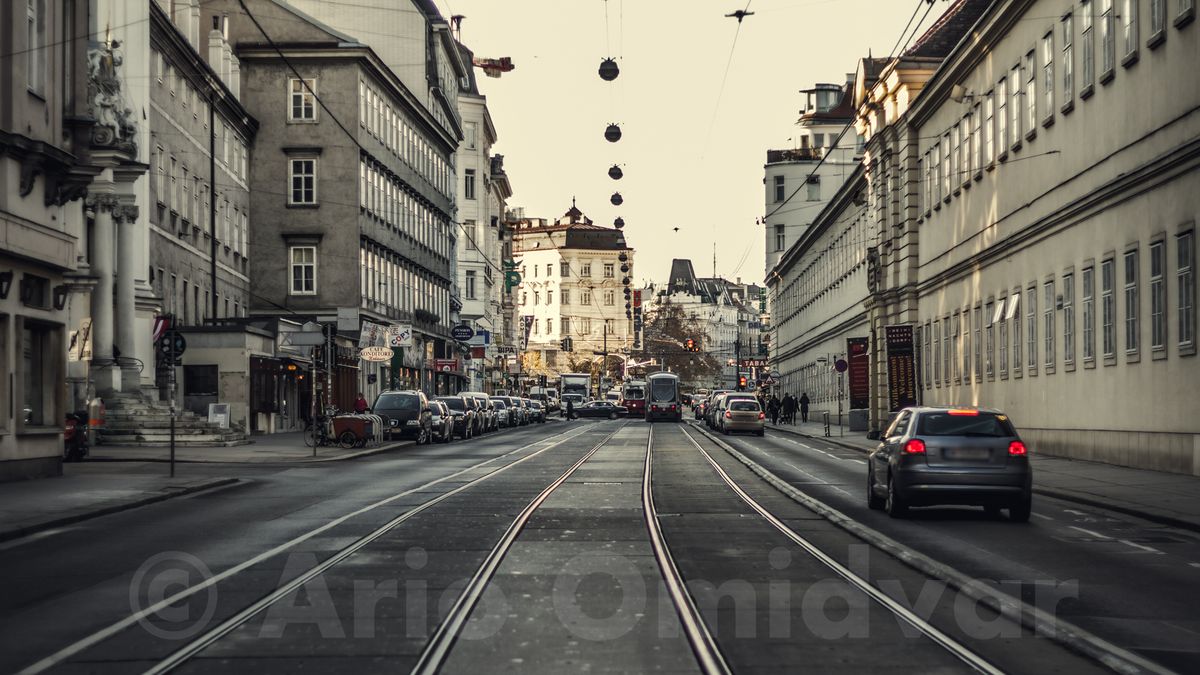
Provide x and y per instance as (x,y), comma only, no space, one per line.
(688,162)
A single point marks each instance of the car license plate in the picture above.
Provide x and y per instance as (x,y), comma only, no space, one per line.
(412,423)
(967,453)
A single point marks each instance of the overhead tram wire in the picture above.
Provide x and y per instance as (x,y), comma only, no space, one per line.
(721,90)
(842,133)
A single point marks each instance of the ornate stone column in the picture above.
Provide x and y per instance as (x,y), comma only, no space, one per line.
(104,372)
(126,215)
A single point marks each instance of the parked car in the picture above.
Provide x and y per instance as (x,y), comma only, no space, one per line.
(937,455)
(601,409)
(462,413)
(441,423)
(744,415)
(537,411)
(718,413)
(479,419)
(504,413)
(405,414)
(522,411)
(490,423)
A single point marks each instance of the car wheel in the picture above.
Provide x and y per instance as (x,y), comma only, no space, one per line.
(992,511)
(612,416)
(874,501)
(895,505)
(1020,510)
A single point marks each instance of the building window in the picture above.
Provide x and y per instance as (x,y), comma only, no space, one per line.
(1131,303)
(609,270)
(1089,45)
(978,342)
(564,296)
(303,178)
(585,270)
(780,189)
(1001,118)
(304,270)
(469,184)
(955,347)
(537,297)
(926,349)
(585,326)
(1031,329)
(947,167)
(1002,342)
(779,237)
(1108,308)
(1089,314)
(524,298)
(469,138)
(976,120)
(1014,106)
(1129,26)
(564,325)
(39,372)
(549,326)
(813,184)
(1158,18)
(549,269)
(989,354)
(303,106)
(35,45)
(1158,296)
(470,285)
(1048,75)
(937,353)
(1068,58)
(1108,42)
(936,169)
(1185,277)
(564,269)
(1014,317)
(947,351)
(585,297)
(1068,305)
(1030,93)
(609,298)
(1048,325)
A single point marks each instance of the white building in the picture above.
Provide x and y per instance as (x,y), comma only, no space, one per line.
(572,274)
(1031,216)
(483,193)
(800,181)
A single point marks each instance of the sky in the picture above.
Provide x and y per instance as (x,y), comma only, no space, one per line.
(692,151)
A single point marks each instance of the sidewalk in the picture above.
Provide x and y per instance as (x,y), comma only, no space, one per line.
(1166,498)
(285,447)
(84,492)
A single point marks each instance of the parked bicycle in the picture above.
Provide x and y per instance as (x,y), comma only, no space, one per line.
(319,434)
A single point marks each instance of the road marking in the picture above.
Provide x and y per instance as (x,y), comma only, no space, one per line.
(1195,564)
(33,537)
(1090,532)
(860,461)
(1078,513)
(1038,515)
(1144,548)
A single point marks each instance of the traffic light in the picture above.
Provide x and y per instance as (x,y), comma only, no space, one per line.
(689,345)
(567,345)
(741,382)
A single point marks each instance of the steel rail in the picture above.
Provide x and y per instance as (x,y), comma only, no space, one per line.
(960,651)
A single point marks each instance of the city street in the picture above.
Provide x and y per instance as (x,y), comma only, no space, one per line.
(531,550)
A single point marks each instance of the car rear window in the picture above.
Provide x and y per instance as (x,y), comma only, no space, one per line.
(404,402)
(453,403)
(741,404)
(982,424)
(500,404)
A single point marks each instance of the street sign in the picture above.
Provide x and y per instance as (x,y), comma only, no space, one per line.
(462,333)
(840,365)
(172,342)
(400,335)
(775,374)
(376,354)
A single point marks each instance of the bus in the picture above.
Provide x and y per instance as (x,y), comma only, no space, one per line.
(662,401)
(633,397)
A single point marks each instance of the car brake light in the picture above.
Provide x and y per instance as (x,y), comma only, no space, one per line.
(1017,449)
(672,407)
(728,415)
(762,415)
(914,447)
(965,411)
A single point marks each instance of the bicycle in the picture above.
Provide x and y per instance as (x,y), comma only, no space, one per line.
(318,435)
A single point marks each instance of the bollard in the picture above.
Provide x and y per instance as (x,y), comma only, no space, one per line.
(825,417)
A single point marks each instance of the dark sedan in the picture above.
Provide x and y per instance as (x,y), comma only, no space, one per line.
(601,409)
(969,456)
(463,415)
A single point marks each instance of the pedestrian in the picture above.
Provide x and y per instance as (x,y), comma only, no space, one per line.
(804,407)
(773,409)
(789,409)
(570,410)
(360,404)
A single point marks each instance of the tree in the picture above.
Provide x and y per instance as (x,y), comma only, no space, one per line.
(666,329)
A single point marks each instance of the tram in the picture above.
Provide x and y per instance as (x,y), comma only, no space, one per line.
(662,398)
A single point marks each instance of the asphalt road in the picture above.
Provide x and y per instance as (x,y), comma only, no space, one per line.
(532,550)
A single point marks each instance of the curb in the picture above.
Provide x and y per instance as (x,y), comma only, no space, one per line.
(27,530)
(1070,636)
(307,460)
(1095,502)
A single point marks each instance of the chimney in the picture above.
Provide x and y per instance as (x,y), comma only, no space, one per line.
(215,42)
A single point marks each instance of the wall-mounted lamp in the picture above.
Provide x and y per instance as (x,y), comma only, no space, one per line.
(6,279)
(60,296)
(959,94)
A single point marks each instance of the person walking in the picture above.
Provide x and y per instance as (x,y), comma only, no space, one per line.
(804,407)
(789,409)
(360,404)
(773,409)
(570,410)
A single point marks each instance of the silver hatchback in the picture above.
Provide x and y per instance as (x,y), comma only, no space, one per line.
(969,456)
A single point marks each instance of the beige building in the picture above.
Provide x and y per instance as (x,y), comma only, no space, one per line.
(1030,190)
(572,285)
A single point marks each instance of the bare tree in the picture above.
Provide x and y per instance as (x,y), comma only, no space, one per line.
(666,330)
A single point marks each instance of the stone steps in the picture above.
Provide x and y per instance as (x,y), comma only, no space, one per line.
(135,420)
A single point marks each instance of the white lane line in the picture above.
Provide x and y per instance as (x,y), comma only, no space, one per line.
(1078,513)
(859,461)
(1144,548)
(1038,515)
(1196,564)
(1090,532)
(33,537)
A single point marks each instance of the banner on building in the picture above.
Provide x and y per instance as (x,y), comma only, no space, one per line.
(445,365)
(860,375)
(527,327)
(372,335)
(400,335)
(81,342)
(902,371)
